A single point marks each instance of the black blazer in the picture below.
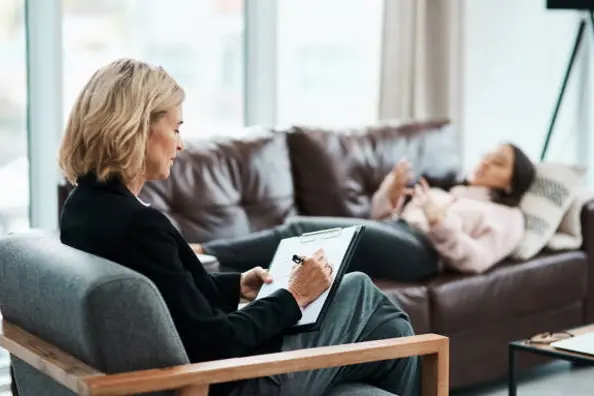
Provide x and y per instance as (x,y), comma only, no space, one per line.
(107,220)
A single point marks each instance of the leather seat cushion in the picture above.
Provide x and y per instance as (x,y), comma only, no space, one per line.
(510,290)
(412,298)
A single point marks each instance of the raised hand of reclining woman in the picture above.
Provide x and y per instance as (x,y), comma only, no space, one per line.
(434,212)
(399,178)
(389,197)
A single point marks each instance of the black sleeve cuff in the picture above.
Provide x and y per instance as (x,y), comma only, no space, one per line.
(291,310)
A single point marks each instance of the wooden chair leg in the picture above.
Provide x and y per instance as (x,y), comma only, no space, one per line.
(435,374)
(194,390)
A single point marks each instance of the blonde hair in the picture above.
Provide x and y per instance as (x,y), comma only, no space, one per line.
(109,124)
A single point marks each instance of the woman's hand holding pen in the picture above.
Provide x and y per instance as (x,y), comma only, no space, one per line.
(310,278)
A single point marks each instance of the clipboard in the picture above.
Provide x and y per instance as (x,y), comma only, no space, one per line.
(339,245)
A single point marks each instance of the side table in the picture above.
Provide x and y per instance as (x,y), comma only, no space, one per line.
(544,349)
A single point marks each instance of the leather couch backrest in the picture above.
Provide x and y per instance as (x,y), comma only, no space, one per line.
(336,172)
(226,187)
(232,186)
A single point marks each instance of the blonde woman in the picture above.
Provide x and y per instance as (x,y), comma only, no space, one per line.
(124,130)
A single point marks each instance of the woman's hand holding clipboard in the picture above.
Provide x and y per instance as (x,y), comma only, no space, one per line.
(311,267)
(310,277)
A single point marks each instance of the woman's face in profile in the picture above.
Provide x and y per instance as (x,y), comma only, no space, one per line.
(163,145)
(495,169)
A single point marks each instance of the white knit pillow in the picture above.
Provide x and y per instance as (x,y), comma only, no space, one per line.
(545,204)
(569,234)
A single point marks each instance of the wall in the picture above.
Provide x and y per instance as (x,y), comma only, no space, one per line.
(515,53)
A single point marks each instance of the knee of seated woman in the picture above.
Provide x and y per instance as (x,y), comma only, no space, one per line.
(360,281)
(357,277)
(294,219)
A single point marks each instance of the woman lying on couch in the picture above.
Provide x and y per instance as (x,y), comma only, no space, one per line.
(469,228)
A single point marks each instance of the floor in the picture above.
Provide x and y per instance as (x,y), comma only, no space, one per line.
(555,379)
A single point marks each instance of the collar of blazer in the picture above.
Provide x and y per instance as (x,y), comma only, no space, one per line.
(113,184)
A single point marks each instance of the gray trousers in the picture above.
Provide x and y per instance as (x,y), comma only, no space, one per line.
(359,312)
(387,249)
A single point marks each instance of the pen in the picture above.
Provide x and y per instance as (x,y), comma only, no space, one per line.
(297,259)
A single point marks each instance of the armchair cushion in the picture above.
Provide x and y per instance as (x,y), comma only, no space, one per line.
(356,389)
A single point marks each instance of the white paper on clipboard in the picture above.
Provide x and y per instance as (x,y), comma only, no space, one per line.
(335,243)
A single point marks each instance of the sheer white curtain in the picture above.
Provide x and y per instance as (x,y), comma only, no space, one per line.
(421,59)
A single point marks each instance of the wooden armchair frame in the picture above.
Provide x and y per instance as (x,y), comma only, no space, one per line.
(194,379)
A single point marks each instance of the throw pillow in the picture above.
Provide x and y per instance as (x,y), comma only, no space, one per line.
(569,234)
(545,204)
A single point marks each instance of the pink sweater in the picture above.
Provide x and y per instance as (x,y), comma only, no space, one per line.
(475,233)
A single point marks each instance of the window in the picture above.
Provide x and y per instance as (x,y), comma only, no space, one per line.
(14,177)
(328,60)
(199,42)
(313,62)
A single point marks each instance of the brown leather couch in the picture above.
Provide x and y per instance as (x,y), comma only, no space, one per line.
(228,187)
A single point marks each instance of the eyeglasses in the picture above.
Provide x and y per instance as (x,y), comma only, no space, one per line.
(548,337)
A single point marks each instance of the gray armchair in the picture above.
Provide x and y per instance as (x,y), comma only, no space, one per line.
(75,323)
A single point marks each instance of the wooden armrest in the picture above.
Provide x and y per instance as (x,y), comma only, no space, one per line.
(57,364)
(194,379)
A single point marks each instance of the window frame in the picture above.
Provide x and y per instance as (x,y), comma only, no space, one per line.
(43,37)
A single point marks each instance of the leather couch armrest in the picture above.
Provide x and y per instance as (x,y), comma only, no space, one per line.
(587,218)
